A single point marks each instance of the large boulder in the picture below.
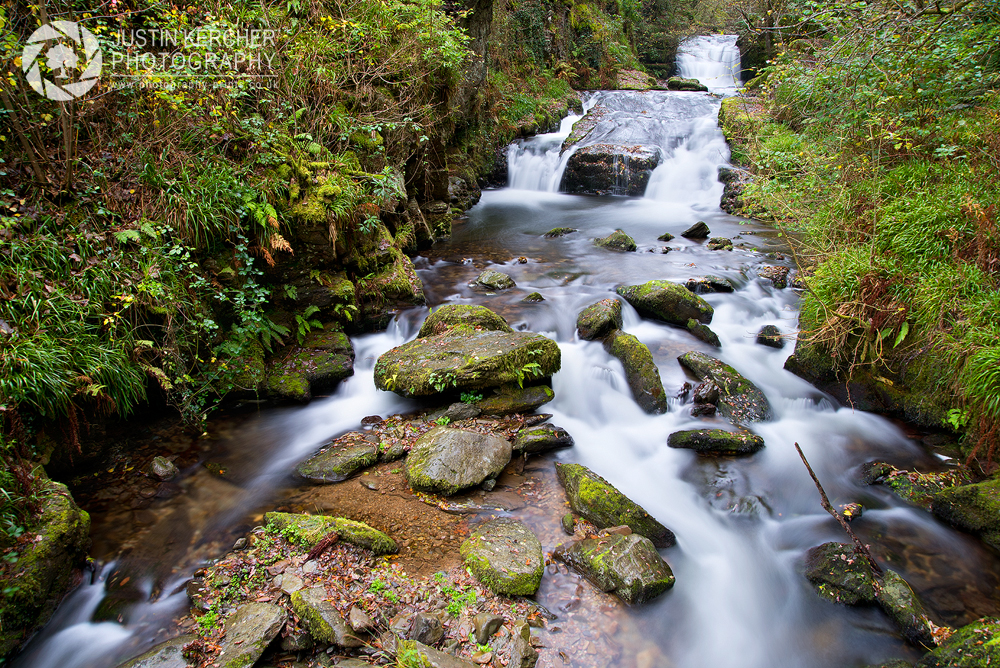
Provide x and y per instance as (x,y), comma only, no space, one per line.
(626,565)
(739,399)
(716,441)
(972,508)
(322,619)
(451,363)
(618,241)
(446,460)
(325,358)
(307,530)
(505,556)
(609,169)
(839,574)
(462,318)
(541,438)
(248,633)
(667,301)
(973,646)
(339,461)
(600,319)
(691,85)
(169,654)
(599,501)
(640,371)
(514,399)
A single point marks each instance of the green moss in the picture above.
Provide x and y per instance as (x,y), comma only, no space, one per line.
(600,319)
(667,301)
(839,574)
(319,628)
(556,232)
(464,318)
(640,370)
(627,566)
(716,441)
(974,645)
(618,241)
(972,508)
(505,556)
(513,399)
(307,530)
(739,399)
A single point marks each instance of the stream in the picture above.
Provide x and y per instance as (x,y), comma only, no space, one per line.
(742,524)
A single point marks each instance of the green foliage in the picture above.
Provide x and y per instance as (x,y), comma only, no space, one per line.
(306,323)
(444,421)
(471,397)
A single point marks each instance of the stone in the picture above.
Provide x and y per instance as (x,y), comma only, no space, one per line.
(610,169)
(446,460)
(557,232)
(484,625)
(513,399)
(703,333)
(972,508)
(248,633)
(339,462)
(599,501)
(839,574)
(691,85)
(697,231)
(777,275)
(568,523)
(455,412)
(905,609)
(915,488)
(541,438)
(324,359)
(739,400)
(627,566)
(972,646)
(297,642)
(667,301)
(505,556)
(462,318)
(167,654)
(522,654)
(666,236)
(413,653)
(851,511)
(703,410)
(716,442)
(709,283)
(640,371)
(618,241)
(427,628)
(494,280)
(323,620)
(719,243)
(307,530)
(290,583)
(359,620)
(163,469)
(599,319)
(706,393)
(533,298)
(452,363)
(770,336)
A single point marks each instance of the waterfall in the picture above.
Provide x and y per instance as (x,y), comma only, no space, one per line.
(535,163)
(713,60)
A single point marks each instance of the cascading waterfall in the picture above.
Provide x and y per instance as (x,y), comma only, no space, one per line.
(535,163)
(714,60)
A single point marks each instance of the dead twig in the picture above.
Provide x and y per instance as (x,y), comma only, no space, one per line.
(324,542)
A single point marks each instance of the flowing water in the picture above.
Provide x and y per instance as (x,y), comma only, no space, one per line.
(742,524)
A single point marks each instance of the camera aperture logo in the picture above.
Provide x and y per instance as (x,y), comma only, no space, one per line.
(71,57)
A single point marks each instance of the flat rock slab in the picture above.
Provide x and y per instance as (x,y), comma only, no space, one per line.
(640,371)
(600,319)
(466,318)
(307,530)
(248,633)
(505,556)
(450,363)
(716,442)
(972,646)
(514,399)
(839,574)
(446,460)
(667,301)
(739,399)
(599,501)
(322,619)
(626,565)
(339,462)
(541,438)
(168,654)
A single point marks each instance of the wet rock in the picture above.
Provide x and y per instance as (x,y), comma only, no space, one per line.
(541,438)
(706,393)
(505,556)
(359,620)
(533,298)
(455,412)
(427,628)
(905,609)
(666,236)
(680,83)
(667,301)
(484,625)
(618,241)
(568,523)
(777,275)
(851,511)
(446,460)
(770,336)
(697,231)
(168,654)
(703,333)
(972,646)
(290,583)
(716,442)
(608,169)
(464,362)
(706,284)
(324,359)
(600,319)
(640,371)
(557,232)
(513,399)
(428,657)
(972,508)
(338,462)
(893,663)
(307,530)
(522,654)
(248,633)
(599,501)
(913,487)
(322,619)
(734,180)
(494,280)
(627,566)
(839,574)
(462,318)
(390,452)
(163,469)
(739,399)
(703,410)
(297,642)
(720,243)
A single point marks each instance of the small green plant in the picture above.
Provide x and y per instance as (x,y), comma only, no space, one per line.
(956,418)
(531,368)
(377,586)
(306,323)
(207,622)
(346,311)
(444,421)
(471,397)
(440,381)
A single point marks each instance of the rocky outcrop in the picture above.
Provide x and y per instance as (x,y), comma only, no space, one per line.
(248,633)
(716,441)
(618,241)
(505,556)
(734,181)
(308,530)
(324,359)
(600,502)
(739,399)
(541,438)
(352,453)
(640,371)
(608,169)
(446,460)
(972,508)
(600,319)
(625,564)
(667,301)
(462,319)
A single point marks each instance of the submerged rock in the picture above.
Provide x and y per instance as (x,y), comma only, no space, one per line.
(462,319)
(626,565)
(716,442)
(533,298)
(322,619)
(557,232)
(973,646)
(618,241)
(697,231)
(609,169)
(307,530)
(163,469)
(680,83)
(248,633)
(494,280)
(462,362)
(777,275)
(972,508)
(739,399)
(703,333)
(770,336)
(667,301)
(505,556)
(339,462)
(446,460)
(720,243)
(839,574)
(640,371)
(167,654)
(905,609)
(599,501)
(541,438)
(513,399)
(599,319)
(709,283)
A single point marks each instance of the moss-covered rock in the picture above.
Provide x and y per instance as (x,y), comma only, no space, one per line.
(446,460)
(600,319)
(339,462)
(541,438)
(462,318)
(667,301)
(839,574)
(599,501)
(640,371)
(703,333)
(322,619)
(494,280)
(915,488)
(739,399)
(975,645)
(167,654)
(626,565)
(716,441)
(709,283)
(680,83)
(248,633)
(43,574)
(557,232)
(413,653)
(972,508)
(307,530)
(463,362)
(770,336)
(697,231)
(618,241)
(777,275)
(666,236)
(513,399)
(505,556)
(324,359)
(719,243)
(533,298)
(905,609)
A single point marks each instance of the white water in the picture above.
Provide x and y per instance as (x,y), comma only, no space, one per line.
(535,163)
(713,60)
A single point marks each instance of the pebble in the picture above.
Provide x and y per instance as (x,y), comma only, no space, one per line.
(310,567)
